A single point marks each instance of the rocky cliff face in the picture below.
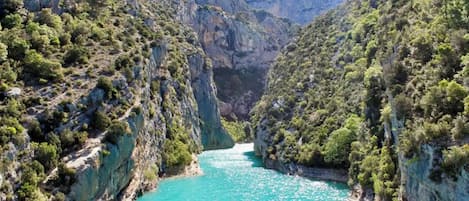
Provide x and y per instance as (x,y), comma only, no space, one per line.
(241,43)
(165,102)
(301,11)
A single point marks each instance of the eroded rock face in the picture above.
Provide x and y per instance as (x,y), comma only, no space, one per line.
(214,135)
(419,186)
(299,11)
(241,42)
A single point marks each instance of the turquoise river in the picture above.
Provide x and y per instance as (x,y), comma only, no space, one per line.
(237,175)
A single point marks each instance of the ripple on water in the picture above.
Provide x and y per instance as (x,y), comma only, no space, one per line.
(237,175)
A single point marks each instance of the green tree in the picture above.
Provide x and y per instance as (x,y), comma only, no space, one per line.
(3,52)
(383,184)
(337,147)
(47,155)
(12,20)
(176,154)
(100,121)
(37,66)
(116,130)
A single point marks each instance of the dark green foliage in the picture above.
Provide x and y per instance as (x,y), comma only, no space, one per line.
(402,66)
(176,154)
(11,21)
(100,121)
(47,155)
(105,84)
(35,131)
(39,67)
(123,62)
(17,48)
(115,131)
(10,6)
(66,174)
(454,159)
(76,55)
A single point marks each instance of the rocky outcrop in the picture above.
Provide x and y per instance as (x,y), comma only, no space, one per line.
(241,43)
(418,185)
(299,11)
(214,135)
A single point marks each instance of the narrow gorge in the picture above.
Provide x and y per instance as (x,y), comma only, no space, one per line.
(338,100)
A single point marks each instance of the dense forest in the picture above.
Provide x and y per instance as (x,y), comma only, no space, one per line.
(371,87)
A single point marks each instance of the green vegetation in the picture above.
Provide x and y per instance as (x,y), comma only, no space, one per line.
(116,130)
(238,130)
(100,121)
(58,59)
(399,68)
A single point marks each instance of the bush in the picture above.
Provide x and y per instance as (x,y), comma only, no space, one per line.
(309,154)
(17,48)
(123,62)
(10,6)
(337,147)
(37,66)
(12,20)
(446,98)
(3,52)
(115,131)
(47,155)
(176,154)
(105,84)
(66,174)
(100,121)
(77,55)
(454,159)
(50,19)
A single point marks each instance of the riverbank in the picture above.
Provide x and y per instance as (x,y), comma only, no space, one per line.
(326,174)
(191,170)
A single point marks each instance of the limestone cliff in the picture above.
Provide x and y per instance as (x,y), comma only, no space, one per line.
(242,43)
(147,105)
(299,11)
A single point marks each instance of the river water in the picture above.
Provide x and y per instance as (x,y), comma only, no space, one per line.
(236,174)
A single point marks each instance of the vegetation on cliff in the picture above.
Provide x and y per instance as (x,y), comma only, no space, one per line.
(71,75)
(368,83)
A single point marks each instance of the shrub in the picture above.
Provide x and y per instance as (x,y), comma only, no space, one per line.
(77,55)
(176,154)
(116,130)
(50,19)
(446,98)
(12,20)
(37,66)
(3,52)
(10,6)
(337,146)
(34,130)
(100,121)
(150,174)
(105,84)
(66,174)
(123,62)
(17,48)
(67,139)
(454,159)
(309,154)
(47,155)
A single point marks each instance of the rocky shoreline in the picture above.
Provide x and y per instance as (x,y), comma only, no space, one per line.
(191,170)
(326,174)
(337,175)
